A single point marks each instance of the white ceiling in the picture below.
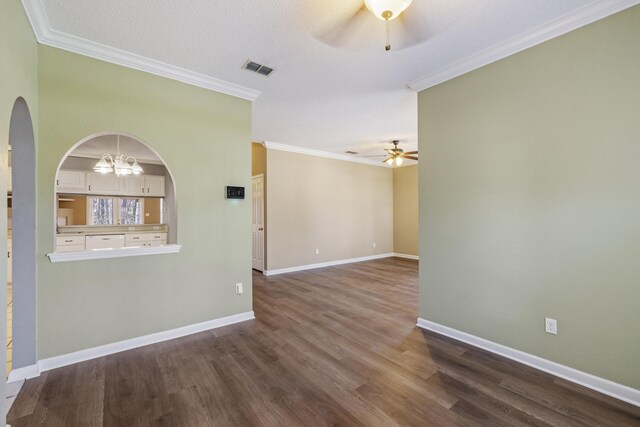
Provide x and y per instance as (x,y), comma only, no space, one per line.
(329,91)
(95,147)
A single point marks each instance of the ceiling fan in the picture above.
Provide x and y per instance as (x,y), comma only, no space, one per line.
(396,155)
(410,23)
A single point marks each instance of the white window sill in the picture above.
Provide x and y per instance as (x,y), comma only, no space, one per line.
(112,253)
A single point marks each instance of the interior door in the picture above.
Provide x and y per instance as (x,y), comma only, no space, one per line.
(257,198)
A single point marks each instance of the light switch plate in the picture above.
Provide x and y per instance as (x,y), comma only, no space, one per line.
(239,289)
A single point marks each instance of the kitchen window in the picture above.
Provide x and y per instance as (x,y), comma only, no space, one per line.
(128,210)
(131,211)
(101,211)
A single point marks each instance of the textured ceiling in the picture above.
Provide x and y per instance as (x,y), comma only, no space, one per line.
(96,147)
(334,88)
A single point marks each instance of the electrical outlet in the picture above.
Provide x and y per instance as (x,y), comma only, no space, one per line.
(374,245)
(551,326)
(239,289)
(317,251)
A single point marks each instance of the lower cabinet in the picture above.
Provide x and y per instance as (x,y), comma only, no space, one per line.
(70,243)
(110,241)
(10,261)
(145,239)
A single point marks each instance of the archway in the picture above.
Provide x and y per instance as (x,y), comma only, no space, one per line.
(23,235)
(76,190)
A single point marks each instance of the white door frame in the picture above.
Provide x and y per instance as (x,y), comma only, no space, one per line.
(262,228)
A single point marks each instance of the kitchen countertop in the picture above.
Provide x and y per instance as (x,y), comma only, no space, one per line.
(89,230)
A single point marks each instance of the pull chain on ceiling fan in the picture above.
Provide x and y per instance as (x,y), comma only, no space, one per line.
(387,10)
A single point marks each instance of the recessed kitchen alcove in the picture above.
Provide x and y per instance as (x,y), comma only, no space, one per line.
(114,197)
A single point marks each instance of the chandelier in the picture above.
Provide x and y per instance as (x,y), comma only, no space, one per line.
(119,164)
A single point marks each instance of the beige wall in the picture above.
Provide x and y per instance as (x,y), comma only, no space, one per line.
(258,159)
(530,204)
(338,207)
(405,210)
(79,309)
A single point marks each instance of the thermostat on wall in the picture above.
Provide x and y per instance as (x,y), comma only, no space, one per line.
(235,192)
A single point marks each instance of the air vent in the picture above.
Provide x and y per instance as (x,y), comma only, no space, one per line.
(257,68)
(350,152)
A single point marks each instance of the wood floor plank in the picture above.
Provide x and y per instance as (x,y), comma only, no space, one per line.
(335,346)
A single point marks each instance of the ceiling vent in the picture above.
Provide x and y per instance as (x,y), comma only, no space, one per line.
(351,152)
(257,68)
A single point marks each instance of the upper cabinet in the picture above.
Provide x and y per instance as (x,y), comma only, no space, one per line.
(154,185)
(80,182)
(104,183)
(134,185)
(144,185)
(69,181)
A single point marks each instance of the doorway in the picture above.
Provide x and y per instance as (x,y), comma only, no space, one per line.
(21,222)
(257,222)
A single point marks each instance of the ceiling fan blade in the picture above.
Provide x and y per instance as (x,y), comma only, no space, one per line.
(410,157)
(344,28)
(410,152)
(388,158)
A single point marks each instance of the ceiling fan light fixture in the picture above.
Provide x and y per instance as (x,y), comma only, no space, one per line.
(398,161)
(387,10)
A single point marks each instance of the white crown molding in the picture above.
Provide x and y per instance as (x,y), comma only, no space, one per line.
(602,385)
(320,153)
(562,25)
(45,35)
(113,253)
(324,264)
(116,347)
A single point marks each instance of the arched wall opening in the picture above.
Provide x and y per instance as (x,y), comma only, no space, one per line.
(110,210)
(22,232)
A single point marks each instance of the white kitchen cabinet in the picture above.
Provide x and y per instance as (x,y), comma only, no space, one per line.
(9,261)
(69,243)
(69,181)
(109,241)
(154,185)
(134,185)
(145,239)
(104,183)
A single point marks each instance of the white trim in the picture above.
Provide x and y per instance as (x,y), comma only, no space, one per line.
(24,373)
(113,253)
(13,388)
(107,349)
(45,35)
(610,388)
(325,264)
(407,256)
(590,13)
(320,153)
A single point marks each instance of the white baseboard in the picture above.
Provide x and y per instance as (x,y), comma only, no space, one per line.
(325,264)
(407,256)
(24,373)
(107,349)
(619,391)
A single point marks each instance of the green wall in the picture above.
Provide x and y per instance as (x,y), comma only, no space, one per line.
(530,200)
(18,78)
(204,137)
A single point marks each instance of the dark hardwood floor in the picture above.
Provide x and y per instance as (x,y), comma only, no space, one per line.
(331,346)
